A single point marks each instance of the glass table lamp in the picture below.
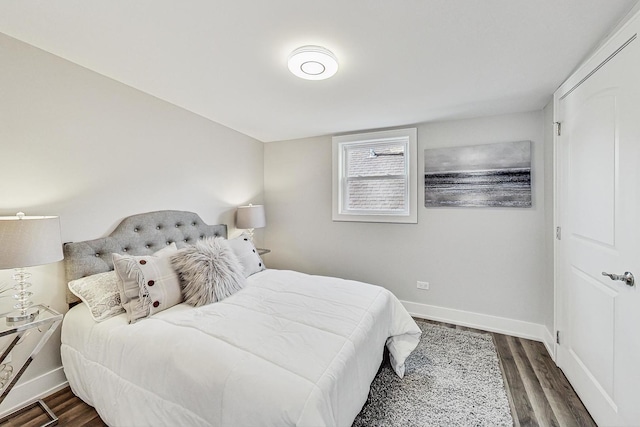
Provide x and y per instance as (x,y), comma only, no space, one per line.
(27,241)
(251,217)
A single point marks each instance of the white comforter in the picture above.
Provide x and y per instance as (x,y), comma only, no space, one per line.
(289,349)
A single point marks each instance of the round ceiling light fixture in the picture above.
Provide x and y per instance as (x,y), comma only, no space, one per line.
(313,63)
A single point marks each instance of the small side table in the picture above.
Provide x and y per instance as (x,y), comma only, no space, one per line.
(262,251)
(45,323)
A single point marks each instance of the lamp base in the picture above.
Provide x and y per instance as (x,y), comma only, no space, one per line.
(23,316)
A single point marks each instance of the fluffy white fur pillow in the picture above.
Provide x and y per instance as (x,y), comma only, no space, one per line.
(209,271)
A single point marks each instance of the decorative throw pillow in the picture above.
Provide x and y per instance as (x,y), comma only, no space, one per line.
(100,293)
(209,271)
(247,254)
(148,284)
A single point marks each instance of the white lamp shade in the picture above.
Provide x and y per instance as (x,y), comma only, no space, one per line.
(26,241)
(251,216)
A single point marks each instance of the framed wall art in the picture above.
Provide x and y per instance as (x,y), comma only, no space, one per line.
(489,175)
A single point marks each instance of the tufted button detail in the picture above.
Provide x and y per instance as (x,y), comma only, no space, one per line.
(193,223)
(168,243)
(156,304)
(97,254)
(158,227)
(151,282)
(135,229)
(124,249)
(202,236)
(143,262)
(147,246)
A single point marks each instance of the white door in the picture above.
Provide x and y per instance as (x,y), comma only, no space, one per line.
(599,213)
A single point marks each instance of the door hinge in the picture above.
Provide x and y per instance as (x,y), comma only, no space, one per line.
(557,337)
(559,233)
(558,128)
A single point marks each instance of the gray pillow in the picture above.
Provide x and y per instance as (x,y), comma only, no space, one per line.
(148,284)
(100,293)
(247,254)
(209,271)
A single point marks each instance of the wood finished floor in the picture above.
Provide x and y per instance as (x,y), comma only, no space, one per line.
(539,393)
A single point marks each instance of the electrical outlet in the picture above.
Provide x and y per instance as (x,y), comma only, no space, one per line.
(423,285)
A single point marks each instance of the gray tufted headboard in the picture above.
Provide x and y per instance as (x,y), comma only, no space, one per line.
(141,234)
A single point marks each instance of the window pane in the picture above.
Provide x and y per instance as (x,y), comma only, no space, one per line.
(375,176)
(385,159)
(376,194)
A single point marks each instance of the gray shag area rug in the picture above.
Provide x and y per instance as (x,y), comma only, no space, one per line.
(452,378)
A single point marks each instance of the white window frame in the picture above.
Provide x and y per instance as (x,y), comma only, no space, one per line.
(341,144)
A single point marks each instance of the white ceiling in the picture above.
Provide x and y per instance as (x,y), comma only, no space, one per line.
(401,61)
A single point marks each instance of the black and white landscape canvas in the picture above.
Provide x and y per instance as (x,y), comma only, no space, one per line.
(487,175)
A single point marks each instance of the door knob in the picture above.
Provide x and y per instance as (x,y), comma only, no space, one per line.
(627,277)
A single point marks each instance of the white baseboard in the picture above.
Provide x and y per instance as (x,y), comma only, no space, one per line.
(485,322)
(550,343)
(32,390)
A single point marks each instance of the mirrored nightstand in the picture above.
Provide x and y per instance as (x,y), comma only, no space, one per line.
(14,363)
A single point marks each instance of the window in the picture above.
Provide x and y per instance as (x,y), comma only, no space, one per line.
(375,177)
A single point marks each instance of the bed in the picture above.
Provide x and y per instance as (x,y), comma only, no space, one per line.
(288,349)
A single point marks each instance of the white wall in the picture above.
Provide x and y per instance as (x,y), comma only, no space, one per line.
(79,145)
(490,261)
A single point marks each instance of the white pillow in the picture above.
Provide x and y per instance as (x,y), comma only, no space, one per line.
(148,284)
(247,254)
(100,293)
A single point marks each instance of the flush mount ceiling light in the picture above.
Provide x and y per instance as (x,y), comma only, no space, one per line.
(313,63)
